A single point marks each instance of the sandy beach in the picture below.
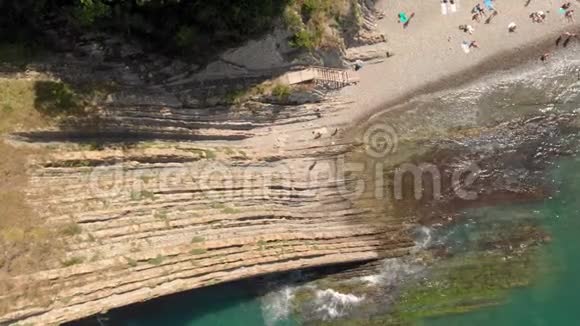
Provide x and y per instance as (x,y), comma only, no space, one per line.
(428,57)
(428,54)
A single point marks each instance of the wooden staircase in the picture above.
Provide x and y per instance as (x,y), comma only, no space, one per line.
(331,77)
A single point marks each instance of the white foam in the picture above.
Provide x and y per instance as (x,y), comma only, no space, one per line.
(332,304)
(277,305)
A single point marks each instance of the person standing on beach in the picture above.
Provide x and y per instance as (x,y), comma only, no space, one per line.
(493,14)
(569,15)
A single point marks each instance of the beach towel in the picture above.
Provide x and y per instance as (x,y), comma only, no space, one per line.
(443,8)
(465,46)
(403,18)
(453,6)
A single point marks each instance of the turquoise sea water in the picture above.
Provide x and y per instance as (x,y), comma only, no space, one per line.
(553,299)
(224,305)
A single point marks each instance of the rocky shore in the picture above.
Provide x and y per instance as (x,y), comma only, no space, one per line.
(170,185)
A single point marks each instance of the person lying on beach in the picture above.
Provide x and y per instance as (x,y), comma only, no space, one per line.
(488,20)
(478,10)
(566,6)
(538,16)
(474,44)
(466,28)
(569,37)
(407,20)
(545,56)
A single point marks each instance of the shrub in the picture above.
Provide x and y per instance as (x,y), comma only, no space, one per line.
(56,99)
(131,262)
(310,7)
(156,261)
(197,239)
(281,91)
(185,37)
(293,20)
(304,39)
(73,261)
(71,229)
(198,251)
(86,12)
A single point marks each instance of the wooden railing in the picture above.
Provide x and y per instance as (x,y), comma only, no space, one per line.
(332,77)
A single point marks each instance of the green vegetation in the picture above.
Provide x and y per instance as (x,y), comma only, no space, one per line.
(72,261)
(71,229)
(57,99)
(142,195)
(230,210)
(17,105)
(316,23)
(17,53)
(197,29)
(185,27)
(156,261)
(131,262)
(282,92)
(197,239)
(465,283)
(198,251)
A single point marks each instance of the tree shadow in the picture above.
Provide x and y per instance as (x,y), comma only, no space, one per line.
(57,99)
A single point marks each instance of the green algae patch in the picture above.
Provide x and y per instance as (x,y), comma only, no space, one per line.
(465,283)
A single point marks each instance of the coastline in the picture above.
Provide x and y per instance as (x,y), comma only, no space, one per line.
(274,238)
(502,61)
(428,57)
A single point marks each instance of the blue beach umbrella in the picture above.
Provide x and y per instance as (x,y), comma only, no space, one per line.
(488,4)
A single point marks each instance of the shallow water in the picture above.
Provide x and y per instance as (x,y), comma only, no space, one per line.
(230,304)
(553,298)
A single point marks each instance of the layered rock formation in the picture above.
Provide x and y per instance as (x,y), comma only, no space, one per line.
(167,187)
